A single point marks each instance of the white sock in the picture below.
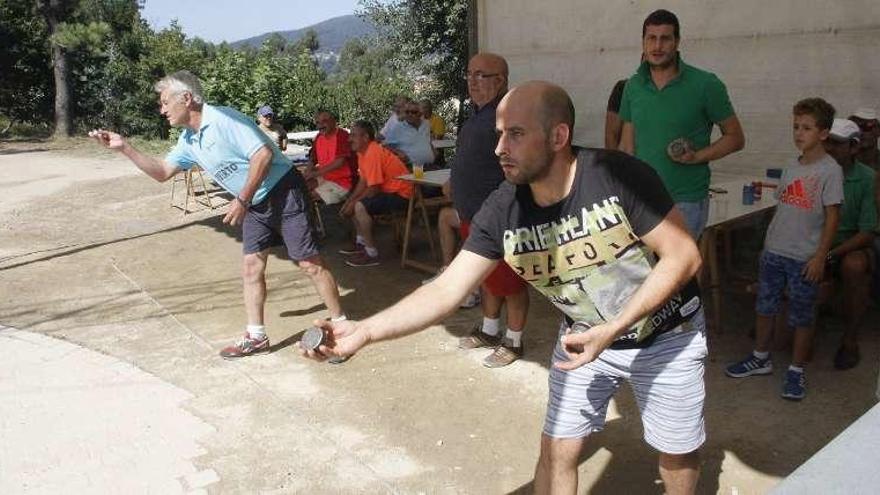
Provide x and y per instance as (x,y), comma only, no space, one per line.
(371,251)
(515,337)
(256,331)
(797,369)
(491,326)
(359,240)
(341,317)
(761,355)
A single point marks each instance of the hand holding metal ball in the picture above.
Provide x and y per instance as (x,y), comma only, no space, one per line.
(312,339)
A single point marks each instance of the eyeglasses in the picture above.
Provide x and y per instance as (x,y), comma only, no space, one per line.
(478,76)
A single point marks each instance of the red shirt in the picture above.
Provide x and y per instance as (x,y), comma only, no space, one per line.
(379,166)
(327,149)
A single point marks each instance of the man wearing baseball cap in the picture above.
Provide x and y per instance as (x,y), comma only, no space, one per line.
(851,258)
(866,119)
(266,118)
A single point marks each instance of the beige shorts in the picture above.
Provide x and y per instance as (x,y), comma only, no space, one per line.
(331,192)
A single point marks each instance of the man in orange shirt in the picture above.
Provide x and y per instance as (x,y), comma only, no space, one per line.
(332,161)
(378,191)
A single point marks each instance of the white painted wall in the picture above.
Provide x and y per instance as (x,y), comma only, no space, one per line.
(770,53)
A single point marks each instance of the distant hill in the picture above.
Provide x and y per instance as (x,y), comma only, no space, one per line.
(332,36)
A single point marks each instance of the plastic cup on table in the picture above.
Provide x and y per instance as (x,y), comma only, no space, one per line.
(418,171)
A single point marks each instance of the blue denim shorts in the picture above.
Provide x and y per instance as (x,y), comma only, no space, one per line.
(696,214)
(775,275)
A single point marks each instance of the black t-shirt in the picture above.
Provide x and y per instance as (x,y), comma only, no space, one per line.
(476,171)
(584,253)
(616,96)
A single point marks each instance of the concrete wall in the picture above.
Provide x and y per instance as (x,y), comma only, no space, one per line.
(770,53)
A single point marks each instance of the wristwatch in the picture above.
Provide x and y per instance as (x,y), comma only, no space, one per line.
(244,202)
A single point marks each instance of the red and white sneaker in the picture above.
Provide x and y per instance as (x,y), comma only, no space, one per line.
(246,346)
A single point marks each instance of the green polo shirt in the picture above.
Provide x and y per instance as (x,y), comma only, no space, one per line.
(859,211)
(686,107)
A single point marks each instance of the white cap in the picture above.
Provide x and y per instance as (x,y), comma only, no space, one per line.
(865,113)
(844,130)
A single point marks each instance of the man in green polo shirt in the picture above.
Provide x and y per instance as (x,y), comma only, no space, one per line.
(851,258)
(668,101)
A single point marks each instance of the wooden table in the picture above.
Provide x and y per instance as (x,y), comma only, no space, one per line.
(443,143)
(726,210)
(435,178)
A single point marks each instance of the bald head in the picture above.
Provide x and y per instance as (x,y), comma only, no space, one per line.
(490,61)
(549,102)
(486,77)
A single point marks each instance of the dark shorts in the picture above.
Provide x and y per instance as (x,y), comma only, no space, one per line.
(503,281)
(383,203)
(778,275)
(281,218)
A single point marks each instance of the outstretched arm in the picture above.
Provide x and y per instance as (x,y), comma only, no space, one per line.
(155,168)
(427,305)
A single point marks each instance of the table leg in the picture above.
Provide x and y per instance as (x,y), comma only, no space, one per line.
(709,250)
(427,224)
(408,227)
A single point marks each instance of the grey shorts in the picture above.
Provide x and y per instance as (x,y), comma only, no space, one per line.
(281,218)
(666,379)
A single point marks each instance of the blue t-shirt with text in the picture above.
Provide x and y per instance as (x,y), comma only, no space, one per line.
(223,146)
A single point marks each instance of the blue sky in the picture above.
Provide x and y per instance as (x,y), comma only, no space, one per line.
(232,20)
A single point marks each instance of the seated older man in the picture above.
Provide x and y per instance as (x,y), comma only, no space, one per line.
(851,258)
(411,138)
(377,192)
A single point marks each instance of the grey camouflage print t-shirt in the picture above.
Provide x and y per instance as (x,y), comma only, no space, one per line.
(803,193)
(585,253)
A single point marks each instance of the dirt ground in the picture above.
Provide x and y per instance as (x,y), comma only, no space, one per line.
(92,252)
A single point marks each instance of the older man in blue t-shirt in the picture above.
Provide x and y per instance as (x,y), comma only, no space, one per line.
(411,137)
(269,194)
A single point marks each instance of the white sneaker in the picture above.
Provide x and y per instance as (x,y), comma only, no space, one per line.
(472,300)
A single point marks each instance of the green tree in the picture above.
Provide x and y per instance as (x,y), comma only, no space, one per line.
(26,92)
(429,37)
(75,25)
(366,82)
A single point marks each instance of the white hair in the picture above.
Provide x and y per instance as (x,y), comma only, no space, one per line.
(180,82)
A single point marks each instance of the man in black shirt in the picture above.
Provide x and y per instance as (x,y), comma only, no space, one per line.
(595,232)
(475,174)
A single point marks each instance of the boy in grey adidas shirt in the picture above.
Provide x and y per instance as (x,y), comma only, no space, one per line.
(796,246)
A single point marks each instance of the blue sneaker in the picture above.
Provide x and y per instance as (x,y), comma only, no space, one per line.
(750,366)
(795,385)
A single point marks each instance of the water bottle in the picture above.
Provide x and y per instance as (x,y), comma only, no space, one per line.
(748,195)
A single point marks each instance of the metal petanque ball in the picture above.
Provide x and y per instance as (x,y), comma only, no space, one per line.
(312,339)
(678,147)
(579,327)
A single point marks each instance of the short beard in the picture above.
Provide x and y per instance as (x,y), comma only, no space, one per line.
(539,171)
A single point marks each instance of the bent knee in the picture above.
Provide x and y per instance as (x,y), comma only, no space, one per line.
(854,264)
(560,453)
(253,265)
(312,267)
